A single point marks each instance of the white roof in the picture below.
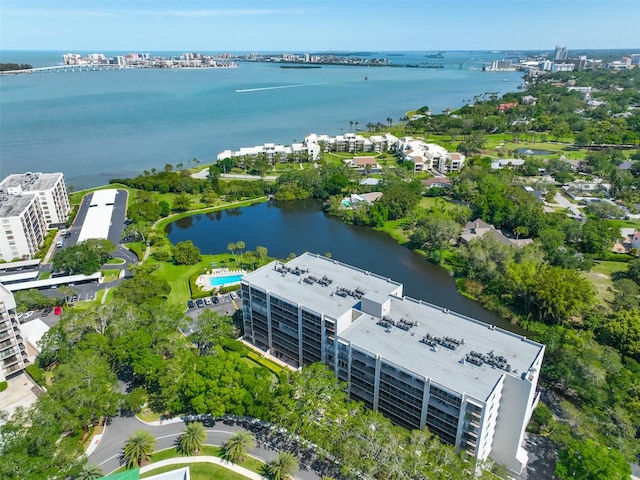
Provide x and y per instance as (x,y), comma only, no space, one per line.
(49,282)
(95,224)
(33,331)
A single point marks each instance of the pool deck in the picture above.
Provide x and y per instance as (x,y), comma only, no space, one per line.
(204,280)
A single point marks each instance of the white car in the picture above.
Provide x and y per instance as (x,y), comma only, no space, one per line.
(233,295)
(29,314)
(207,300)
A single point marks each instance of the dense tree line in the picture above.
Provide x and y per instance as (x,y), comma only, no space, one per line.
(7,67)
(557,112)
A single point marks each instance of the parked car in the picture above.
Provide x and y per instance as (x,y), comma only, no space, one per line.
(190,304)
(207,301)
(57,310)
(215,300)
(29,314)
(19,316)
(199,303)
(234,295)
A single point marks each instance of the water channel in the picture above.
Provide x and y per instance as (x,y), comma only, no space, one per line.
(299,226)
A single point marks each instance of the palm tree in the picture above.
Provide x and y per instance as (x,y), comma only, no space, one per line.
(356,124)
(390,121)
(283,466)
(138,448)
(192,438)
(89,471)
(350,125)
(235,450)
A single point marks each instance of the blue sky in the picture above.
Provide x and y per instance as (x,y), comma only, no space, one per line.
(308,25)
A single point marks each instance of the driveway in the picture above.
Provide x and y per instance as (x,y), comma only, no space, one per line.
(564,203)
(268,442)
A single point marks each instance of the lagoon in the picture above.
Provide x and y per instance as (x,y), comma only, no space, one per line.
(299,226)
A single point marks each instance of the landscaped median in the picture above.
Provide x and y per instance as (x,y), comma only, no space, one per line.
(206,465)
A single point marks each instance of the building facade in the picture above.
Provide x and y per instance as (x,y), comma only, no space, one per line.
(30,203)
(50,190)
(13,354)
(22,226)
(400,356)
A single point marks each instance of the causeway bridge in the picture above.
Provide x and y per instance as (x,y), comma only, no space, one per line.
(68,68)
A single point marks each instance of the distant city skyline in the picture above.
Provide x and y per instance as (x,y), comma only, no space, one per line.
(306,25)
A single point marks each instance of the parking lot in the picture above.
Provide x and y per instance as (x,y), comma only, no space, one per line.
(221,304)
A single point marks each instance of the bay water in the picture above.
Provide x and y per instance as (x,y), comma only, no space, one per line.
(97,125)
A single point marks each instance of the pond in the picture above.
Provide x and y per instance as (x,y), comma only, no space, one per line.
(299,226)
(533,151)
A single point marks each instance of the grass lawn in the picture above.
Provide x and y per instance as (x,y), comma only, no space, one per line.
(76,197)
(395,230)
(115,261)
(600,277)
(178,275)
(110,275)
(200,471)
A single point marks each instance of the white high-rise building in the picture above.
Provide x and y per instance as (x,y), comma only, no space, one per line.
(50,189)
(29,204)
(561,53)
(470,383)
(12,351)
(22,227)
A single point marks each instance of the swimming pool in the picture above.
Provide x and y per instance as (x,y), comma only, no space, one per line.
(216,281)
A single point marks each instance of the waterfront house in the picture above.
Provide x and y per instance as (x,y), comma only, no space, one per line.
(479,228)
(437,182)
(364,164)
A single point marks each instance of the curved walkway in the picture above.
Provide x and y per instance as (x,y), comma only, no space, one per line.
(106,454)
(203,459)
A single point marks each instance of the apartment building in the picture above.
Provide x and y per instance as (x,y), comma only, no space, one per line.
(30,203)
(472,384)
(12,351)
(22,226)
(50,190)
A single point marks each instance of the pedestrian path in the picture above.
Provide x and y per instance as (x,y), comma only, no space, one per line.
(203,459)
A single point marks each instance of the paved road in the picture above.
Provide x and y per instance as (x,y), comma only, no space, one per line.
(563,202)
(107,454)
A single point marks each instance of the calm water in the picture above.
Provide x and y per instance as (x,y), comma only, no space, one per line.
(94,126)
(296,227)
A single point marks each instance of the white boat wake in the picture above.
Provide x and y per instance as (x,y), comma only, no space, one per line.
(278,87)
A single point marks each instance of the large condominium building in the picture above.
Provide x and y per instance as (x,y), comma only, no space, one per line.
(50,189)
(29,204)
(472,384)
(12,351)
(561,53)
(22,226)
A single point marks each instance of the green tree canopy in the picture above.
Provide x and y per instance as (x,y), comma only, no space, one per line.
(590,460)
(186,253)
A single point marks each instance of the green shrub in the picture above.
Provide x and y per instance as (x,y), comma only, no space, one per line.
(37,374)
(274,367)
(162,256)
(233,345)
(196,291)
(3,386)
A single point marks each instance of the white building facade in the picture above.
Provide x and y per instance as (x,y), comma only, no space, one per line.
(12,351)
(472,384)
(22,226)
(50,189)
